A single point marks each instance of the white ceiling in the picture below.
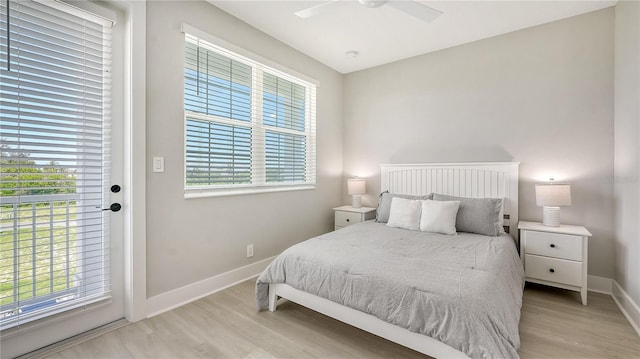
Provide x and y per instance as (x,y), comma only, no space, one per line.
(382,35)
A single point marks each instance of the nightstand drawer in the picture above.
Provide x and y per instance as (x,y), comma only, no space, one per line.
(555,245)
(553,270)
(344,219)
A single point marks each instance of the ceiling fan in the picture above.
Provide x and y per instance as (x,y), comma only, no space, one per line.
(409,7)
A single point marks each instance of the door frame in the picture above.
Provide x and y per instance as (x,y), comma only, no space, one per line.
(134,190)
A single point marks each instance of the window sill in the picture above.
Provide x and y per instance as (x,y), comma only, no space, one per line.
(203,193)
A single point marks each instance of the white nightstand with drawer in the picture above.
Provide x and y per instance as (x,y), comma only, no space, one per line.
(347,215)
(555,256)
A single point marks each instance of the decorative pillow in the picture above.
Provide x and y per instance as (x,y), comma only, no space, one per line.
(405,213)
(439,216)
(384,204)
(477,215)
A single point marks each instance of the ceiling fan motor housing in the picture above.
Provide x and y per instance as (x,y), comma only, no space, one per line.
(372,3)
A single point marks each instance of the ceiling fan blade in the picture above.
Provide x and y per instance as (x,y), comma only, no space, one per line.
(416,9)
(316,10)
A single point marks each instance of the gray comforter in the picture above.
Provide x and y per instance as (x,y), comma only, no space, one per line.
(463,290)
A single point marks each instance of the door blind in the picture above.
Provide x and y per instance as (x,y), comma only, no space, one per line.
(55,131)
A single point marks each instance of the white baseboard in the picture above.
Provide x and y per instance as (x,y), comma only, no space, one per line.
(628,307)
(166,301)
(599,284)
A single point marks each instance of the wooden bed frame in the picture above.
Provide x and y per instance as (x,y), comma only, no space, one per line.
(489,179)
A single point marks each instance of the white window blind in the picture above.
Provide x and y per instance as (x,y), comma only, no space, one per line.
(248,126)
(55,119)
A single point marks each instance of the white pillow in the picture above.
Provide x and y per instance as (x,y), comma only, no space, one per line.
(405,213)
(439,216)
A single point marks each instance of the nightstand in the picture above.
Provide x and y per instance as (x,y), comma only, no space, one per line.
(347,215)
(555,256)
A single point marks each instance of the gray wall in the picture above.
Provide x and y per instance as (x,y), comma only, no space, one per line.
(190,240)
(627,147)
(542,96)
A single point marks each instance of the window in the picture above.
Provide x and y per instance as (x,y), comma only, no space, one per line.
(54,126)
(248,127)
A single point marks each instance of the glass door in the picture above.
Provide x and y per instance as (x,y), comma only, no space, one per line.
(60,173)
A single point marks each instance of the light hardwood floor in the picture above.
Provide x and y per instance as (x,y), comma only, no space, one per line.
(226,325)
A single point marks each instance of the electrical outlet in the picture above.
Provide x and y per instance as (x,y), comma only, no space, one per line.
(250,251)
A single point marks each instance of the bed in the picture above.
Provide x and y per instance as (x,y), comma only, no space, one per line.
(445,296)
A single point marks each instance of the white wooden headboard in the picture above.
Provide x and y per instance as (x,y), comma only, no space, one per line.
(476,180)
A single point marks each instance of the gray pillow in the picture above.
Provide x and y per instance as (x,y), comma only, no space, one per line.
(384,204)
(476,215)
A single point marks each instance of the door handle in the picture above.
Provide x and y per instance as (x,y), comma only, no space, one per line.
(114,207)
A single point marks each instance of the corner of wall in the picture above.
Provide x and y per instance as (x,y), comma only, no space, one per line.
(629,308)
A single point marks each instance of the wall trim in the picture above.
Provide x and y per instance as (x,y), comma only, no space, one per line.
(135,212)
(178,297)
(599,284)
(628,307)
(175,298)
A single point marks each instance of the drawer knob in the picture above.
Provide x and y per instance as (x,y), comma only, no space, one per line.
(552,245)
(552,270)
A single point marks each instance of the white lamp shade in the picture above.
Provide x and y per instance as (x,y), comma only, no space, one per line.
(356,186)
(553,195)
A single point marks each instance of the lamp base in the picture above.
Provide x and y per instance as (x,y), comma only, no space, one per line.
(551,216)
(357,201)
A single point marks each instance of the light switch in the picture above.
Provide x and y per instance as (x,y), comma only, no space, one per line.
(158,164)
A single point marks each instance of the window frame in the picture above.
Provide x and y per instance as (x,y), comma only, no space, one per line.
(259,66)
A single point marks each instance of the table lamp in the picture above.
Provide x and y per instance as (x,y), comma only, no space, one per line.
(551,197)
(356,187)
